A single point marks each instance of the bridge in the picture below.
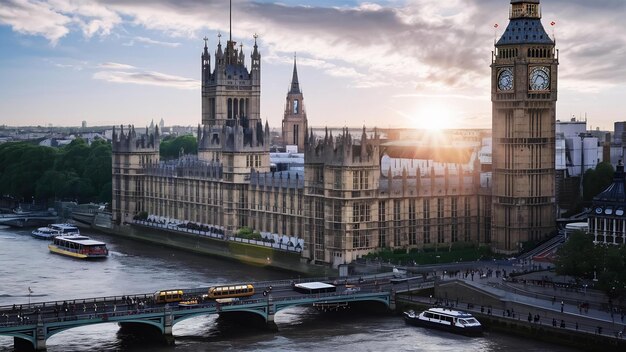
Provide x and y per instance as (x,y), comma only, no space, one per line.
(21,219)
(31,325)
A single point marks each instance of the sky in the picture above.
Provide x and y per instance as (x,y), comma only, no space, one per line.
(390,63)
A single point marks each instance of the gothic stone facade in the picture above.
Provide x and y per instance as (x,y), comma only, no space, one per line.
(524,93)
(343,205)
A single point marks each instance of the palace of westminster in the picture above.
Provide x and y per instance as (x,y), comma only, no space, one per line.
(347,202)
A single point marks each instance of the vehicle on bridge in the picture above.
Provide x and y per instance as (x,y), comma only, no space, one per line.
(81,247)
(168,296)
(445,319)
(350,289)
(227,300)
(314,287)
(246,290)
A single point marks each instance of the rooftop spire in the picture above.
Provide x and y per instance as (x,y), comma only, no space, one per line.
(230,21)
(295,85)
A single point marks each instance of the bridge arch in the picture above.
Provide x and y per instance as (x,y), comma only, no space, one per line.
(24,337)
(261,313)
(157,324)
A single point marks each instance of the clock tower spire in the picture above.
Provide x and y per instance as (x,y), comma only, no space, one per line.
(294,120)
(523,94)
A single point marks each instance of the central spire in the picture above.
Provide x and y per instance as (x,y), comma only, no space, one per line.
(295,85)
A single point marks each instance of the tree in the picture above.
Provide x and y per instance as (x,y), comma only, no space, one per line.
(21,165)
(597,180)
(78,188)
(579,257)
(171,147)
(576,257)
(73,156)
(77,171)
(50,184)
(98,166)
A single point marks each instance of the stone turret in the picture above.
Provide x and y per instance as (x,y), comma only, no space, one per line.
(231,92)
(131,156)
(343,150)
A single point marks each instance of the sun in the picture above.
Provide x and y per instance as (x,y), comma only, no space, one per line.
(433,117)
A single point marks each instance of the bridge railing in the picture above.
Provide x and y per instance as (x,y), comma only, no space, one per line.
(47,304)
(146,298)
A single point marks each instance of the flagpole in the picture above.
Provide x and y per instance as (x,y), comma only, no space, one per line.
(495,33)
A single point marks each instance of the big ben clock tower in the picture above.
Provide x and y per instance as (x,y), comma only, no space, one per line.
(523,94)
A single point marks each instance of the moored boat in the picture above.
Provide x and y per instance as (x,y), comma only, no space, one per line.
(77,246)
(51,231)
(65,229)
(445,319)
(45,233)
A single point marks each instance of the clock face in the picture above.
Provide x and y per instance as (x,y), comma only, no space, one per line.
(539,78)
(505,79)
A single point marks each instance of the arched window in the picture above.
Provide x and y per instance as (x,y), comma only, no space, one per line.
(242,110)
(296,107)
(236,107)
(230,108)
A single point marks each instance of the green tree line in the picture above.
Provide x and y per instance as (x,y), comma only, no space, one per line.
(171,147)
(77,171)
(581,258)
(597,180)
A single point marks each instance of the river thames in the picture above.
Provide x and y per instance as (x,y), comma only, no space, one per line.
(135,267)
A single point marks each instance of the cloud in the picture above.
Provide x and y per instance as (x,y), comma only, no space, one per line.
(54,19)
(34,18)
(414,44)
(147,78)
(116,66)
(149,41)
(440,96)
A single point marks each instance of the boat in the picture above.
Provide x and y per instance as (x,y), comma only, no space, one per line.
(78,246)
(455,321)
(51,231)
(45,233)
(65,229)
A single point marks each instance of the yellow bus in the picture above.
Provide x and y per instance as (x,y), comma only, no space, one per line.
(231,291)
(168,296)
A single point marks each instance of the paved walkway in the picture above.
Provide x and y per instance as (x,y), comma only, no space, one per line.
(546,305)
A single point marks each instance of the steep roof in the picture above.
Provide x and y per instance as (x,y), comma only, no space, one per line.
(525,31)
(295,85)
